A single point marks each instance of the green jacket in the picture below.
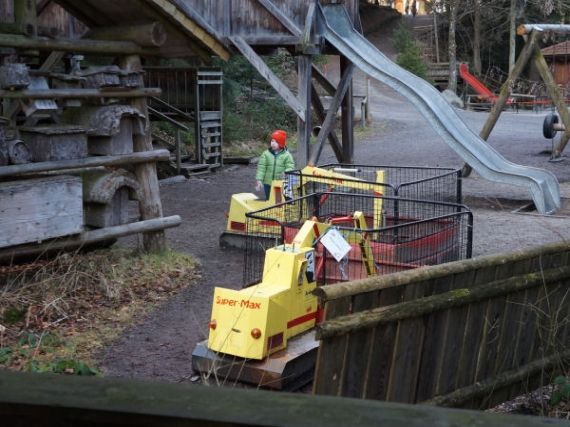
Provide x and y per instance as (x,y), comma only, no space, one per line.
(272,165)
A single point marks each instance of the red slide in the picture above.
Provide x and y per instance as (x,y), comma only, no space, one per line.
(476,84)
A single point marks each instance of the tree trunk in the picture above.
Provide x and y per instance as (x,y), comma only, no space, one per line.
(512,34)
(477,37)
(452,46)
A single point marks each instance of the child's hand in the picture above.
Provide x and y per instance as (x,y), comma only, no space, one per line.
(258,186)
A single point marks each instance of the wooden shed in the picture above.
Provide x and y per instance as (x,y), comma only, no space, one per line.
(558,57)
(75,144)
(44,43)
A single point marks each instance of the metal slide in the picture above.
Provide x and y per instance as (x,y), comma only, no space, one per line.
(338,31)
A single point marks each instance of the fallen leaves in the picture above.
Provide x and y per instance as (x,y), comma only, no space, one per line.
(81,301)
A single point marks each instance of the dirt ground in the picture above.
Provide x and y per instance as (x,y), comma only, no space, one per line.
(161,346)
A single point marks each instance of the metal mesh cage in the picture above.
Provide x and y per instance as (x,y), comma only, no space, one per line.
(395,234)
(422,183)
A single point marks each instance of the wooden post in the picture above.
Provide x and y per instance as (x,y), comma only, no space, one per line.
(150,206)
(304,67)
(347,116)
(330,120)
(178,142)
(321,116)
(556,96)
(497,109)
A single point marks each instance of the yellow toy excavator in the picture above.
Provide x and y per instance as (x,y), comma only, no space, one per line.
(257,321)
(243,203)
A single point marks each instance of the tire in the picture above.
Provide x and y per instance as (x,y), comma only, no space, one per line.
(548,126)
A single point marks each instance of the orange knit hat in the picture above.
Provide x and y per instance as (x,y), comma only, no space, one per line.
(281,137)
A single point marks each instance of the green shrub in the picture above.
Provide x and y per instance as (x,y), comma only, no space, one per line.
(410,59)
(402,38)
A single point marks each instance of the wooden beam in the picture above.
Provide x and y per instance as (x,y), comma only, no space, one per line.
(30,399)
(147,35)
(179,12)
(321,115)
(444,301)
(88,162)
(518,68)
(330,120)
(281,17)
(541,28)
(347,114)
(90,237)
(268,75)
(304,124)
(41,5)
(323,81)
(80,93)
(270,40)
(309,22)
(102,47)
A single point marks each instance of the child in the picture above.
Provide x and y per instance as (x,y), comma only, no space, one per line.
(273,162)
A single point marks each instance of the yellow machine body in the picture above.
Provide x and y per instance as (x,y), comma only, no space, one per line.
(257,321)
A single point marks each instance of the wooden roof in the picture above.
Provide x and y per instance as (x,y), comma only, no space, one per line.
(186,37)
(560,49)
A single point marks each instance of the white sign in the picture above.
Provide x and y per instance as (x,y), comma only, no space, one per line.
(336,244)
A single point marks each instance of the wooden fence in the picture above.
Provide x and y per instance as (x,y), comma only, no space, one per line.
(61,400)
(465,334)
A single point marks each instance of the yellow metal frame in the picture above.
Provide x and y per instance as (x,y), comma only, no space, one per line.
(244,203)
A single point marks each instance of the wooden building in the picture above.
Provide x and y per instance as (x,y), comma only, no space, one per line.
(48,51)
(558,57)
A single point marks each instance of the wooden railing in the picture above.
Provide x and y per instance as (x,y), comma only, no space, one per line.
(58,400)
(467,334)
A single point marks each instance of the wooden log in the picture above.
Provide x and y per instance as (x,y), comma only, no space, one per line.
(103,47)
(150,205)
(343,290)
(540,28)
(90,237)
(146,35)
(89,162)
(448,300)
(80,93)
(486,387)
(18,152)
(518,68)
(43,399)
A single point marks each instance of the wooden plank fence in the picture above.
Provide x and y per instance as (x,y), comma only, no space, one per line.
(466,334)
(61,400)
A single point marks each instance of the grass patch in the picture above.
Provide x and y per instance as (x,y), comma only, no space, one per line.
(55,315)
